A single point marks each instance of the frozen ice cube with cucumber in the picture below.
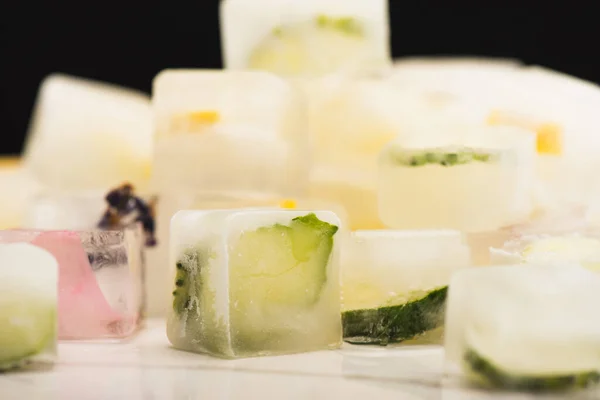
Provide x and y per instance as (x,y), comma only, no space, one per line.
(254,282)
(394,284)
(524,327)
(309,39)
(28,304)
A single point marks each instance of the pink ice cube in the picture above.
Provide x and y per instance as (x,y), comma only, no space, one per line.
(84,311)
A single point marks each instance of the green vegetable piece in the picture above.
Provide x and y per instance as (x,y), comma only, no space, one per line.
(187,274)
(483,157)
(418,160)
(277,31)
(322,21)
(492,376)
(394,324)
(348,25)
(433,158)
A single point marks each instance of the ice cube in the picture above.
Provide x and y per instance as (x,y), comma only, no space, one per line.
(230,131)
(17,187)
(305,39)
(254,282)
(482,182)
(581,248)
(524,327)
(110,127)
(394,283)
(100,279)
(28,303)
(354,190)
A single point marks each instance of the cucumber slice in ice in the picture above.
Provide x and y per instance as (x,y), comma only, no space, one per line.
(188,281)
(27,328)
(194,300)
(396,323)
(286,265)
(277,276)
(488,374)
(312,48)
(446,158)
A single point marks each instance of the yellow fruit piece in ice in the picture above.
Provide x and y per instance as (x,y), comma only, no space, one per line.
(549,135)
(549,139)
(288,204)
(194,122)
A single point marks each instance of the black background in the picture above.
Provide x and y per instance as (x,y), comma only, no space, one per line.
(129,42)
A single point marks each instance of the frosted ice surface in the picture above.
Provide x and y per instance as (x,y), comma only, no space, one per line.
(527,324)
(28,305)
(110,126)
(305,39)
(254,282)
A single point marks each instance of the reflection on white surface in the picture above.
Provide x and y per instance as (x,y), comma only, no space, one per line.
(148,368)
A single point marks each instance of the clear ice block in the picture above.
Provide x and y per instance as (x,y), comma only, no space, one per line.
(254,282)
(582,248)
(481,184)
(524,327)
(110,126)
(100,293)
(305,39)
(28,303)
(394,283)
(229,131)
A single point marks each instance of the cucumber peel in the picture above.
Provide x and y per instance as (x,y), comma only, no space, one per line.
(393,324)
(490,375)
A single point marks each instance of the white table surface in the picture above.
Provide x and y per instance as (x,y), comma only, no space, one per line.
(146,367)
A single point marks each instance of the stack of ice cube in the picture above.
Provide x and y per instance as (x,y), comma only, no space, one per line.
(223,137)
(89,135)
(524,327)
(28,305)
(394,283)
(254,282)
